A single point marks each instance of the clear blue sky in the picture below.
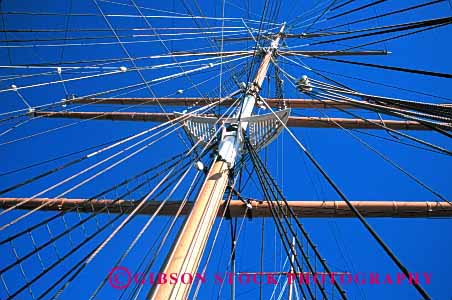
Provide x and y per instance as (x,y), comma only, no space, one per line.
(422,244)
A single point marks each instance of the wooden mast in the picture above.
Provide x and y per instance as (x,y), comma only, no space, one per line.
(292,259)
(188,249)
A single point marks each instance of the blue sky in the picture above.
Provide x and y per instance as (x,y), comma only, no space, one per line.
(422,244)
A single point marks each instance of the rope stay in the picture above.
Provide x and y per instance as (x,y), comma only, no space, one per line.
(363,221)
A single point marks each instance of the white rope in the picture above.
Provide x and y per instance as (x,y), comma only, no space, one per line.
(164,45)
(281,293)
(142,7)
(221,50)
(189,33)
(60,81)
(198,69)
(88,95)
(95,117)
(114,43)
(191,17)
(55,68)
(118,72)
(296,291)
(279,277)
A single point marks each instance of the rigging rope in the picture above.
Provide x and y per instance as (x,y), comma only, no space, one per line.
(392,68)
(277,197)
(385,14)
(338,99)
(356,212)
(356,9)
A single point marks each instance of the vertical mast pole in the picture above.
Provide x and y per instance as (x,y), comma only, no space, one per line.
(187,251)
(233,270)
(292,259)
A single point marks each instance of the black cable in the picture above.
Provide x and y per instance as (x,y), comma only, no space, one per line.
(280,196)
(6,36)
(335,99)
(400,27)
(342,5)
(413,71)
(425,107)
(392,28)
(363,221)
(385,14)
(73,268)
(356,9)
(281,232)
(409,115)
(265,189)
(42,175)
(378,83)
(386,39)
(442,150)
(427,110)
(327,9)
(390,140)
(371,102)
(397,141)
(285,239)
(321,75)
(58,158)
(438,127)
(388,160)
(49,268)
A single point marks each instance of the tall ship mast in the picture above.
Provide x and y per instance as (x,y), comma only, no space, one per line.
(225,150)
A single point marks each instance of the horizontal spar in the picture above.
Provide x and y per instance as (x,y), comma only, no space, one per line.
(291,103)
(306,209)
(286,53)
(332,53)
(317,122)
(307,122)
